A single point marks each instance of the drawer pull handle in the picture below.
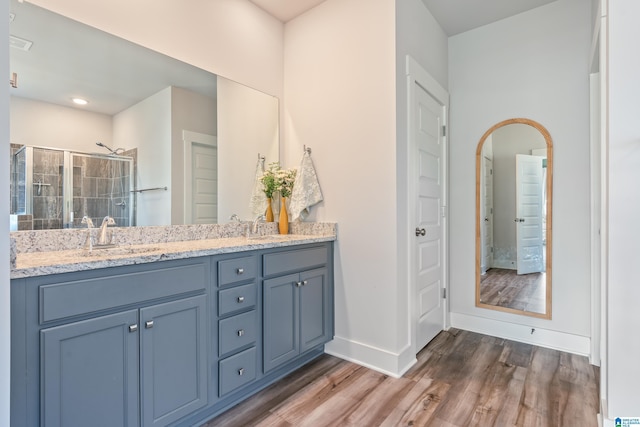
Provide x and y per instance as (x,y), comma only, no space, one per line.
(240,299)
(240,332)
(133,328)
(148,324)
(240,271)
(241,371)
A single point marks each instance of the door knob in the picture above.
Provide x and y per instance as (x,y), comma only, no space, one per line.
(420,231)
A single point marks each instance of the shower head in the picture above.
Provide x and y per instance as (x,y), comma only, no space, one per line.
(116,152)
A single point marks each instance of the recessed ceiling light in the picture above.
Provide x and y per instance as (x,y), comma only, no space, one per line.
(79,101)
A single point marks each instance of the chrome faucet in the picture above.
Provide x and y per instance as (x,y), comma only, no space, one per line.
(254,228)
(103,237)
(88,244)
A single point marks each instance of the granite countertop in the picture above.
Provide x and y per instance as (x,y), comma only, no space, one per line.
(30,264)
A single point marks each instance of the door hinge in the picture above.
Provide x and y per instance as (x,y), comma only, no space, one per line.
(444,293)
(443,211)
(444,130)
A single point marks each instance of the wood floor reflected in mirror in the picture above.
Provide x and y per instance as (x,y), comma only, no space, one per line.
(501,287)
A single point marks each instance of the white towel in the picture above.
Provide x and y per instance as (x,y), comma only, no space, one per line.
(258,202)
(306,189)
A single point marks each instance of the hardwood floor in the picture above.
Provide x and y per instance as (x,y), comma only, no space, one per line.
(505,288)
(461,379)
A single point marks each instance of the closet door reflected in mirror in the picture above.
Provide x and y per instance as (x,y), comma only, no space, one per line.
(514,175)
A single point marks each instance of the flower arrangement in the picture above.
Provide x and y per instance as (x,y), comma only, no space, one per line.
(278,180)
(285,179)
(269,179)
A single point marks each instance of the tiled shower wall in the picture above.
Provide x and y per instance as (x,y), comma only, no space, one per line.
(101,187)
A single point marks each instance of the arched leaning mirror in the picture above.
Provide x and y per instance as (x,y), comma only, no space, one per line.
(514,171)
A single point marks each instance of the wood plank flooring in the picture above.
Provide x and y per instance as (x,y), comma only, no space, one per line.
(462,379)
(505,288)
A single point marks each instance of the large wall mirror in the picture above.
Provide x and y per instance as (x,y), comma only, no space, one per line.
(159,142)
(514,175)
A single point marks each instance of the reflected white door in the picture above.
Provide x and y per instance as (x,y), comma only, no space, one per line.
(200,178)
(487,215)
(529,208)
(429,154)
(204,184)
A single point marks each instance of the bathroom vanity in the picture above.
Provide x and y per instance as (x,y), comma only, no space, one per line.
(165,336)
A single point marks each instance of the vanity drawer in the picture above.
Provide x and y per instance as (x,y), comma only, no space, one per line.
(235,299)
(89,294)
(237,332)
(237,370)
(237,270)
(296,260)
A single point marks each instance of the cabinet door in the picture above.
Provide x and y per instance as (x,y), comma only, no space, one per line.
(315,310)
(89,373)
(173,360)
(280,299)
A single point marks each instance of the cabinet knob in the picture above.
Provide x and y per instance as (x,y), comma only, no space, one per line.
(240,299)
(304,283)
(148,324)
(298,284)
(240,332)
(133,328)
(241,371)
(240,271)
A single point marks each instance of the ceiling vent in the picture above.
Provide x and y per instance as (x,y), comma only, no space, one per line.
(19,43)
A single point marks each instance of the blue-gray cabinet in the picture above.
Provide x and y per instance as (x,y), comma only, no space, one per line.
(296,315)
(105,370)
(89,373)
(173,360)
(169,343)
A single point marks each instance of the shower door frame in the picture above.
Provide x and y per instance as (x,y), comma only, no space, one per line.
(67,177)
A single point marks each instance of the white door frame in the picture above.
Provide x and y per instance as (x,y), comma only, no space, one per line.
(190,138)
(417,75)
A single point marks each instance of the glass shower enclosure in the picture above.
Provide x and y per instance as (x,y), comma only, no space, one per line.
(53,188)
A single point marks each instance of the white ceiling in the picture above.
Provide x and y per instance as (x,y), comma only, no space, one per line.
(286,10)
(458,16)
(454,16)
(64,61)
(69,59)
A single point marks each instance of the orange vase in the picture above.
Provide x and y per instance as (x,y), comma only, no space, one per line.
(269,213)
(283,223)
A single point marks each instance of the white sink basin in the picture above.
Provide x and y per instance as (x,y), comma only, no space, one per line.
(275,237)
(119,250)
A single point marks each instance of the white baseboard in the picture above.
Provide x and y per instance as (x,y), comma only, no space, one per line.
(384,361)
(569,343)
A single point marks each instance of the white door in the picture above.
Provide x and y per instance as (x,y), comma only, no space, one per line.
(429,155)
(529,208)
(200,178)
(486,215)
(204,184)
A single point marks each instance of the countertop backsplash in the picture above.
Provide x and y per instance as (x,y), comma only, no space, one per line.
(75,238)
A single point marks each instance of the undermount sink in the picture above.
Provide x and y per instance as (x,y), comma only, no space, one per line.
(270,237)
(119,250)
